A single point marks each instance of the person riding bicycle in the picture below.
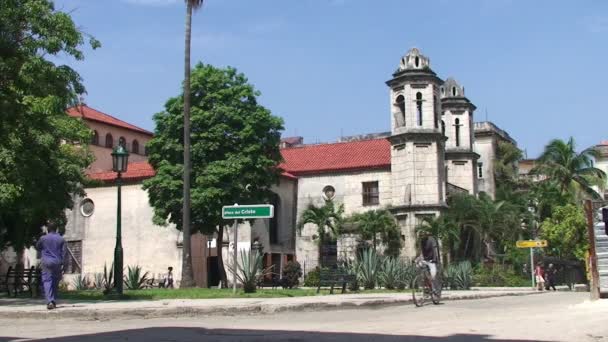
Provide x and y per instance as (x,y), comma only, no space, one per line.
(430,254)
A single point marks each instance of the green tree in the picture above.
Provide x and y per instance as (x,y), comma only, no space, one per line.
(566,232)
(235,143)
(187,272)
(327,218)
(570,171)
(380,223)
(445,229)
(505,165)
(43,152)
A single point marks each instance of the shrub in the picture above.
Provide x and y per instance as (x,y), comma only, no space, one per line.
(498,275)
(459,276)
(108,279)
(407,274)
(390,275)
(312,278)
(98,281)
(351,268)
(80,283)
(134,280)
(369,269)
(249,269)
(291,274)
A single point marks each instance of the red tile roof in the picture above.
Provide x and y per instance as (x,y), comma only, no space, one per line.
(343,156)
(135,171)
(139,171)
(88,113)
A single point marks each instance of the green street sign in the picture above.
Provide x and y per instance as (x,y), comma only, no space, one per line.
(248,211)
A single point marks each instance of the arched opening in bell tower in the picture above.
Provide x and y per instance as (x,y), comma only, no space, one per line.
(457,125)
(419,107)
(400,103)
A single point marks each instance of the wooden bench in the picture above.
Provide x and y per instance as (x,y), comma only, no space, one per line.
(19,281)
(333,277)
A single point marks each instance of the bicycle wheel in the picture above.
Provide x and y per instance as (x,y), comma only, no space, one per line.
(419,290)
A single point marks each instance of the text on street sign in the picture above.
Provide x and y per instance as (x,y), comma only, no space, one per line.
(248,211)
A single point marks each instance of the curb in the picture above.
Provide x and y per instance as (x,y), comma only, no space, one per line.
(217,310)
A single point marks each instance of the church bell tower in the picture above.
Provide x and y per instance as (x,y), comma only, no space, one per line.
(418,174)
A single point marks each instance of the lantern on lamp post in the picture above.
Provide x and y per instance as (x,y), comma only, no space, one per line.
(120,160)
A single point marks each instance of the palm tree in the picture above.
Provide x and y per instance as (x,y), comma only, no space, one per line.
(572,172)
(187,273)
(445,229)
(327,219)
(372,223)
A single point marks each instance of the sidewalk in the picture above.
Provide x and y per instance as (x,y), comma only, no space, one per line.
(35,309)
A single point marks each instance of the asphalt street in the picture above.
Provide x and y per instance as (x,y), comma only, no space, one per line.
(547,317)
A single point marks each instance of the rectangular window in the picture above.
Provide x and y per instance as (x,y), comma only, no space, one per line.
(371,194)
(480,170)
(72,262)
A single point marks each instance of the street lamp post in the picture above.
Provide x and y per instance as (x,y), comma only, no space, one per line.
(120,160)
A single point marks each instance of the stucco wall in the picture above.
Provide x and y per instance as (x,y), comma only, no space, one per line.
(485,147)
(349,189)
(152,247)
(461,173)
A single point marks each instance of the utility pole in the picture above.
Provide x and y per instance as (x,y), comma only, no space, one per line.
(595,277)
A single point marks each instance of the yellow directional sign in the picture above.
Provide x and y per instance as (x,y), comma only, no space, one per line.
(531,243)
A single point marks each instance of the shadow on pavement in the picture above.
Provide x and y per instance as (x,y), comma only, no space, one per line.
(225,335)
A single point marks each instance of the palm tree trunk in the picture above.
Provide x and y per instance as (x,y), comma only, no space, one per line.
(187,273)
(220,257)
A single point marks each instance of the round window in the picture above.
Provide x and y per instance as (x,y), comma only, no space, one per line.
(329,192)
(87,207)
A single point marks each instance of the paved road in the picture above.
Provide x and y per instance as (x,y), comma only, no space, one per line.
(547,317)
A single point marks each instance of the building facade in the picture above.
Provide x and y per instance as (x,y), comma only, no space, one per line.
(434,147)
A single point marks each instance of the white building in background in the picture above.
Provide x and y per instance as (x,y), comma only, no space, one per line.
(434,148)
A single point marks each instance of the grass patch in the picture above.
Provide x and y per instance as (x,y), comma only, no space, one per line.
(192,293)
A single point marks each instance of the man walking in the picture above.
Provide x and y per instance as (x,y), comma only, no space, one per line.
(52,247)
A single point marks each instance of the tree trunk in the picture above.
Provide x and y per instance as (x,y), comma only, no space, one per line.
(19,264)
(220,258)
(187,273)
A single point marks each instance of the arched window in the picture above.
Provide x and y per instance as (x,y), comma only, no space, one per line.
(417,61)
(109,140)
(435,109)
(400,103)
(453,91)
(122,142)
(443,127)
(457,125)
(419,107)
(273,232)
(135,147)
(95,138)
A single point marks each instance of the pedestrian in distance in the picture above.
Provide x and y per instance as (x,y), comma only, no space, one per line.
(52,248)
(539,275)
(168,281)
(550,275)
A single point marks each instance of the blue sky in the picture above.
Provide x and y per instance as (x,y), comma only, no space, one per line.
(537,68)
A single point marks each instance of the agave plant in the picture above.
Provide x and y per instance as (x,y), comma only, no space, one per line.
(249,269)
(98,281)
(351,268)
(108,279)
(390,274)
(80,283)
(369,269)
(134,280)
(406,274)
(459,276)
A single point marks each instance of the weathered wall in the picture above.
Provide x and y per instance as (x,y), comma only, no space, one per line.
(152,247)
(348,188)
(486,148)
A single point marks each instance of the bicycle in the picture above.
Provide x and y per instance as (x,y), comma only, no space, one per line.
(422,284)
